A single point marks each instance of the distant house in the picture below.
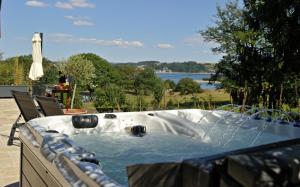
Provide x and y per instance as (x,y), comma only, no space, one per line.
(164,70)
(140,67)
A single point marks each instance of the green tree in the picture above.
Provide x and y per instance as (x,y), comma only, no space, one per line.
(241,45)
(18,72)
(105,73)
(15,70)
(81,70)
(169,84)
(230,33)
(50,73)
(128,75)
(109,98)
(49,78)
(187,86)
(279,23)
(260,48)
(170,104)
(24,63)
(6,77)
(158,92)
(145,81)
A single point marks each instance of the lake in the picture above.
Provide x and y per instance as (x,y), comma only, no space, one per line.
(195,76)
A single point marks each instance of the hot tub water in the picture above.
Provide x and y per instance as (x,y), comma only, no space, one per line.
(115,151)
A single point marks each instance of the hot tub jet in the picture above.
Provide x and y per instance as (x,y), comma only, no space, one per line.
(137,130)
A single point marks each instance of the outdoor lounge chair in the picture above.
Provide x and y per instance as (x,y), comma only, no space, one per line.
(49,106)
(27,108)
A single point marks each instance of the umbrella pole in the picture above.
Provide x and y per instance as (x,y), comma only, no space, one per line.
(30,87)
(73,96)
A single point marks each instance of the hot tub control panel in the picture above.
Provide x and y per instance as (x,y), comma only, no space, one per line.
(85,121)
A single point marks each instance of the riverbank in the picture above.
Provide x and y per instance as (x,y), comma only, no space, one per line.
(198,77)
(206,81)
(173,72)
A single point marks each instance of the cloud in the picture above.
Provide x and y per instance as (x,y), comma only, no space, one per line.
(122,43)
(74,4)
(80,20)
(164,46)
(206,52)
(68,38)
(82,4)
(36,3)
(60,38)
(195,39)
(116,42)
(63,5)
(21,38)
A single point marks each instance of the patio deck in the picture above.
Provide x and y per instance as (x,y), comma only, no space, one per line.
(9,155)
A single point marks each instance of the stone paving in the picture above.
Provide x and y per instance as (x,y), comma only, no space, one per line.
(9,155)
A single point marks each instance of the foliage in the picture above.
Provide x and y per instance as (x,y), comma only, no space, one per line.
(171,104)
(104,72)
(142,103)
(109,98)
(15,71)
(261,52)
(50,78)
(169,84)
(190,66)
(128,75)
(50,74)
(187,86)
(145,81)
(6,77)
(78,103)
(118,87)
(158,92)
(82,71)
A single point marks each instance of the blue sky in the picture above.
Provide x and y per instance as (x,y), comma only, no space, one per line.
(117,30)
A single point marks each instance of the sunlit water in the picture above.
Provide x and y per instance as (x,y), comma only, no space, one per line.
(195,76)
(115,151)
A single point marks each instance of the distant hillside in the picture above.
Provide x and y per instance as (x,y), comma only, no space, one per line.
(190,66)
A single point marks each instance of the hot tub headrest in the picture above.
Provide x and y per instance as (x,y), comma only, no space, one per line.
(84,121)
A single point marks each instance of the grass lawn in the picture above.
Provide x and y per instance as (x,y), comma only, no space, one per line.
(207,99)
(206,95)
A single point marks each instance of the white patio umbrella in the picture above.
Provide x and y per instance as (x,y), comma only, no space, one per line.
(36,69)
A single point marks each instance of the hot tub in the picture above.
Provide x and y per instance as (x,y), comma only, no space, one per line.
(71,151)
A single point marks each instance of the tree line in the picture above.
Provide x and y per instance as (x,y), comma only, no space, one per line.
(261,46)
(189,66)
(15,70)
(109,84)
